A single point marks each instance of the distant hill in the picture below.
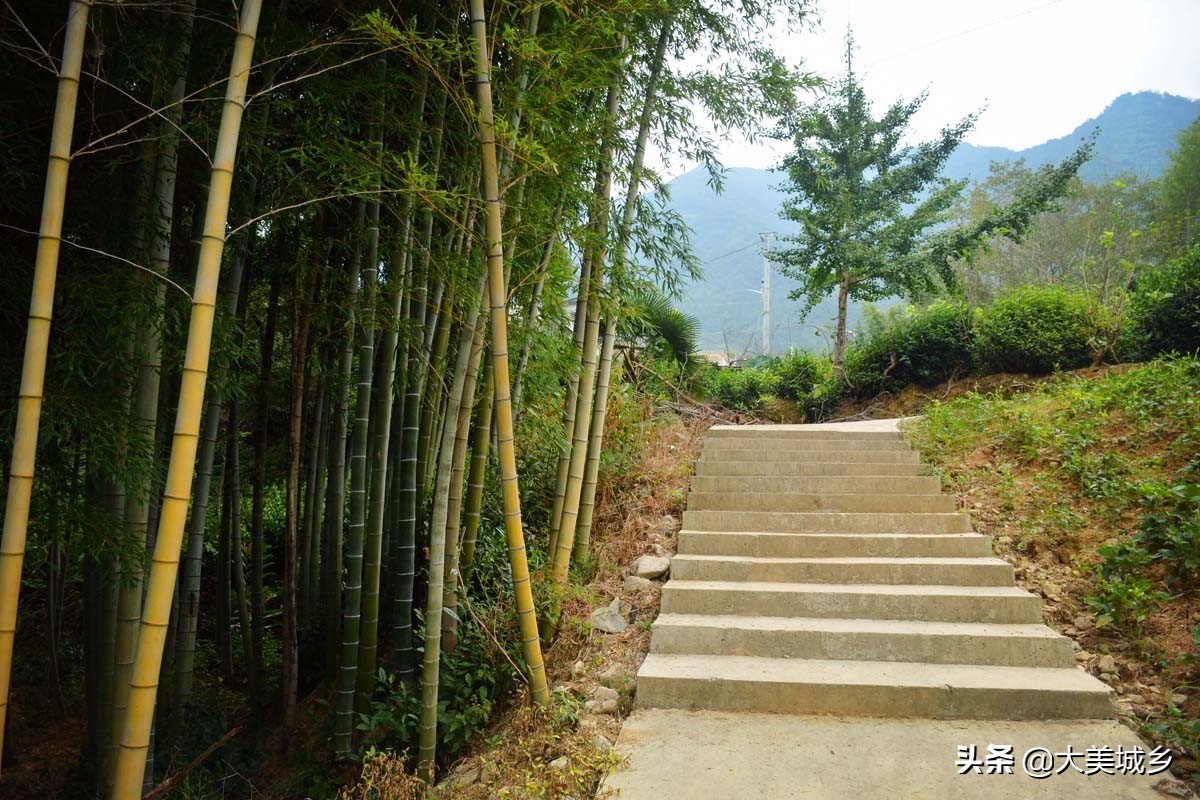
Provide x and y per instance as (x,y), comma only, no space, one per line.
(1137,134)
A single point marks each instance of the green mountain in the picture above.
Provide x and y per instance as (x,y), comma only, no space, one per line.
(1136,134)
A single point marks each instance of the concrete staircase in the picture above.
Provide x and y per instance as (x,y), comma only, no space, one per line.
(820,571)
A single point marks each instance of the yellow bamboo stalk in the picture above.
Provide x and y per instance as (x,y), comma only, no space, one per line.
(135,737)
(498,293)
(37,339)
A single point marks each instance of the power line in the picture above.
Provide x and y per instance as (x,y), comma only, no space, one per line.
(966,32)
(726,255)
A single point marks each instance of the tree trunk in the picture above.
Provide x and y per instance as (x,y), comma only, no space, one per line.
(839,346)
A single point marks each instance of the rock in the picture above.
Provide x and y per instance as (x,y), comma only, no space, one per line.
(1051,590)
(607,620)
(1169,787)
(1083,656)
(1107,665)
(602,693)
(1133,699)
(1049,557)
(616,678)
(601,706)
(1108,677)
(1178,700)
(466,777)
(1004,540)
(1077,647)
(601,743)
(1083,622)
(578,669)
(559,764)
(667,525)
(633,583)
(651,566)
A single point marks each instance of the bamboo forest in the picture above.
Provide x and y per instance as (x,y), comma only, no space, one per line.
(581,399)
(324,328)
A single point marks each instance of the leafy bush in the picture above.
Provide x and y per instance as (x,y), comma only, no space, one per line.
(740,389)
(939,343)
(1124,600)
(922,347)
(1171,530)
(1034,329)
(1166,308)
(799,373)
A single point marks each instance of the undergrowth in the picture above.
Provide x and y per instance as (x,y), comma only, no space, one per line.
(1098,482)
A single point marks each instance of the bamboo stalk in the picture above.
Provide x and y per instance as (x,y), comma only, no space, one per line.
(565,539)
(37,338)
(600,407)
(131,760)
(427,722)
(498,292)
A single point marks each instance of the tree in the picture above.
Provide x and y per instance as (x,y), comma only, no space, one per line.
(868,206)
(1179,194)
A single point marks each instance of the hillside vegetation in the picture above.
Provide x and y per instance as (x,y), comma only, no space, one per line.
(1091,487)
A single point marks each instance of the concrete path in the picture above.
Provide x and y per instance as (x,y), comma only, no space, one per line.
(821,572)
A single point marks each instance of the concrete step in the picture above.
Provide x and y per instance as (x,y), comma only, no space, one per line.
(790,469)
(832,545)
(825,522)
(862,640)
(799,503)
(759,455)
(869,688)
(795,432)
(906,571)
(827,485)
(932,603)
(673,754)
(721,444)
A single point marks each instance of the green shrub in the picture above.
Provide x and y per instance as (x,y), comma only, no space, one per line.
(1125,600)
(1034,329)
(799,372)
(924,347)
(739,389)
(939,344)
(1166,308)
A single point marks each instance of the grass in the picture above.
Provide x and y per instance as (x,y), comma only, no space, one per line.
(1089,487)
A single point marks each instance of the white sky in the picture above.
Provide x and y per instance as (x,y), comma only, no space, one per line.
(1041,67)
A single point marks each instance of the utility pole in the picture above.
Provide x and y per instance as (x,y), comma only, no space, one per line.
(766,294)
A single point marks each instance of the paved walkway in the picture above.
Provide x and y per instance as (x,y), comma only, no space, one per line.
(834,628)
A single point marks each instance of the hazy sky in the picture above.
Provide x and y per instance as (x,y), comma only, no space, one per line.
(1040,66)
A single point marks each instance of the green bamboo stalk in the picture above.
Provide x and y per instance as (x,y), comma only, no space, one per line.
(498,292)
(565,538)
(373,550)
(454,501)
(624,234)
(587,503)
(335,504)
(343,736)
(237,549)
(314,503)
(571,398)
(481,440)
(427,723)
